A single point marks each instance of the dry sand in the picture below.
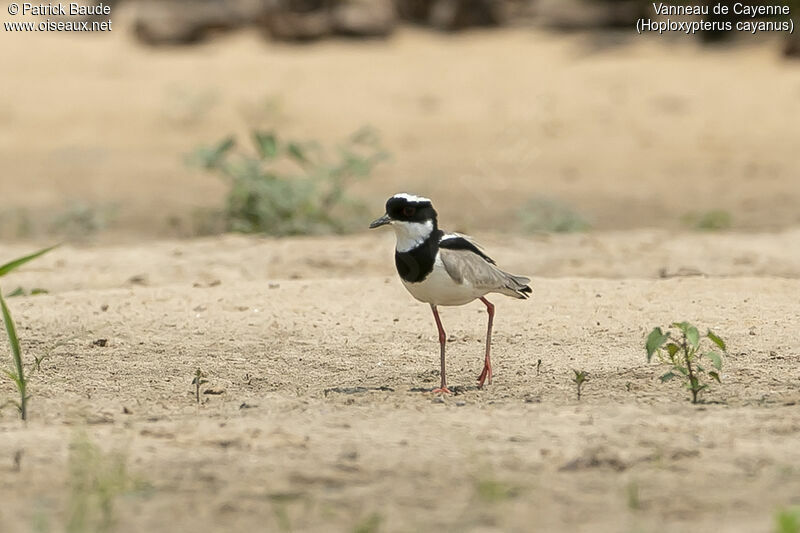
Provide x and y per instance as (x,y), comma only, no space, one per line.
(628,131)
(321,360)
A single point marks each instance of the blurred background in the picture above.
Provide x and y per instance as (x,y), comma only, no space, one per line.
(285,117)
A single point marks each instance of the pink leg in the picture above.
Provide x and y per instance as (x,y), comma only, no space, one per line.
(442,340)
(487,364)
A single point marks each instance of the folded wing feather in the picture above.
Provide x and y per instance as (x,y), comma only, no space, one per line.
(467,267)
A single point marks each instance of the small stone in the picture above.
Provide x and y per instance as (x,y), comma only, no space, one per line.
(138,279)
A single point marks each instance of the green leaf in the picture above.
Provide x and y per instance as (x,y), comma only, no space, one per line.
(693,336)
(717,340)
(683,326)
(714,376)
(716,359)
(19,291)
(297,152)
(12,376)
(788,520)
(655,340)
(210,158)
(672,349)
(8,267)
(682,370)
(668,376)
(267,144)
(37,290)
(366,135)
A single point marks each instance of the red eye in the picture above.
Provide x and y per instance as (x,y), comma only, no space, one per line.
(409,211)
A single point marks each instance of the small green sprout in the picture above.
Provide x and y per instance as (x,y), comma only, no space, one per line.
(492,490)
(199,379)
(684,355)
(632,492)
(369,524)
(17,374)
(581,376)
(96,481)
(788,520)
(714,220)
(19,291)
(542,214)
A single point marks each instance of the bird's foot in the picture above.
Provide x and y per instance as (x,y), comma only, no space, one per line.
(485,374)
(442,390)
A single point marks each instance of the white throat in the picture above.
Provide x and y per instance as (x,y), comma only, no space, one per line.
(411,234)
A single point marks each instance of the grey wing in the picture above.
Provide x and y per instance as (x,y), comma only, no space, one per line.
(468,268)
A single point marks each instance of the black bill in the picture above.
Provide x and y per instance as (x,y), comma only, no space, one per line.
(380,222)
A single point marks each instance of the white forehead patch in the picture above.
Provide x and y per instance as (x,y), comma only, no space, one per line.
(411,197)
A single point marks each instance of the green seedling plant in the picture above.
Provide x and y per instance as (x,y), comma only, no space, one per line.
(788,520)
(632,492)
(491,490)
(96,481)
(199,379)
(714,220)
(581,376)
(19,291)
(369,524)
(284,187)
(682,350)
(17,373)
(540,214)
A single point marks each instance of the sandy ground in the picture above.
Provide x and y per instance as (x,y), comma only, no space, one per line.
(628,131)
(320,362)
(316,415)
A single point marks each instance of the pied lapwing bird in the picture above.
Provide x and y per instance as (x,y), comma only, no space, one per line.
(441,268)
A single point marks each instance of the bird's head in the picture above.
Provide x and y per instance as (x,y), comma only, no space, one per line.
(412,217)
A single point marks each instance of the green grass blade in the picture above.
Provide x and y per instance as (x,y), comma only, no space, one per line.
(11,330)
(8,267)
(13,340)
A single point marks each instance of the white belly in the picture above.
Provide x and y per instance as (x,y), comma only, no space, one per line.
(440,289)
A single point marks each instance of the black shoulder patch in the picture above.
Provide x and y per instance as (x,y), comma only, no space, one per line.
(460,243)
